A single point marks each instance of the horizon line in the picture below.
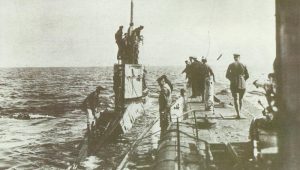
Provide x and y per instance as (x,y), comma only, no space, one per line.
(83,66)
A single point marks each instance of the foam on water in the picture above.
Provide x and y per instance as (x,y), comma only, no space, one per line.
(37,116)
(91,162)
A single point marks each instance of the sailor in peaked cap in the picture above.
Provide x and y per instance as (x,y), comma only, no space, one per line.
(236,55)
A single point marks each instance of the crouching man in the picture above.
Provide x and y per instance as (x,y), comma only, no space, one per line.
(92,101)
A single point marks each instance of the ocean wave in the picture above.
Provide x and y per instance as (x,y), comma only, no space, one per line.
(52,97)
(26,116)
(38,116)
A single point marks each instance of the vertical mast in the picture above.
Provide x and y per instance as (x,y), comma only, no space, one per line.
(131,12)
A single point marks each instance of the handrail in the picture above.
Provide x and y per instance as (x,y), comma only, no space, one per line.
(187,112)
(178,145)
(137,141)
(196,125)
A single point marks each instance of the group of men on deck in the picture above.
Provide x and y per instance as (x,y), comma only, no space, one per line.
(128,44)
(199,74)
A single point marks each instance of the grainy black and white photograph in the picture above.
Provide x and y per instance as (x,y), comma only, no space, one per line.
(142,85)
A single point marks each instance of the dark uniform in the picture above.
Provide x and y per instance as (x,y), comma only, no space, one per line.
(187,72)
(197,79)
(92,101)
(120,43)
(201,75)
(164,101)
(237,73)
(136,38)
(137,32)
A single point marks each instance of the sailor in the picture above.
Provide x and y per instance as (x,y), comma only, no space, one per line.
(118,38)
(136,39)
(130,44)
(126,51)
(193,76)
(130,29)
(269,86)
(92,101)
(201,79)
(196,77)
(137,32)
(209,79)
(207,69)
(268,121)
(187,72)
(237,74)
(165,101)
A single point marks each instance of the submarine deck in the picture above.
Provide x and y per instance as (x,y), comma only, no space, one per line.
(223,141)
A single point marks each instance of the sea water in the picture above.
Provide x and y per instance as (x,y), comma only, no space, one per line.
(52,97)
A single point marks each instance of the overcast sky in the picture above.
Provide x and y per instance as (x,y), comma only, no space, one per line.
(81,33)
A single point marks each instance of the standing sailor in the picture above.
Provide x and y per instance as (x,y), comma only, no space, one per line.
(119,41)
(194,76)
(136,39)
(130,29)
(187,72)
(165,101)
(126,49)
(237,74)
(137,32)
(130,43)
(209,79)
(201,79)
